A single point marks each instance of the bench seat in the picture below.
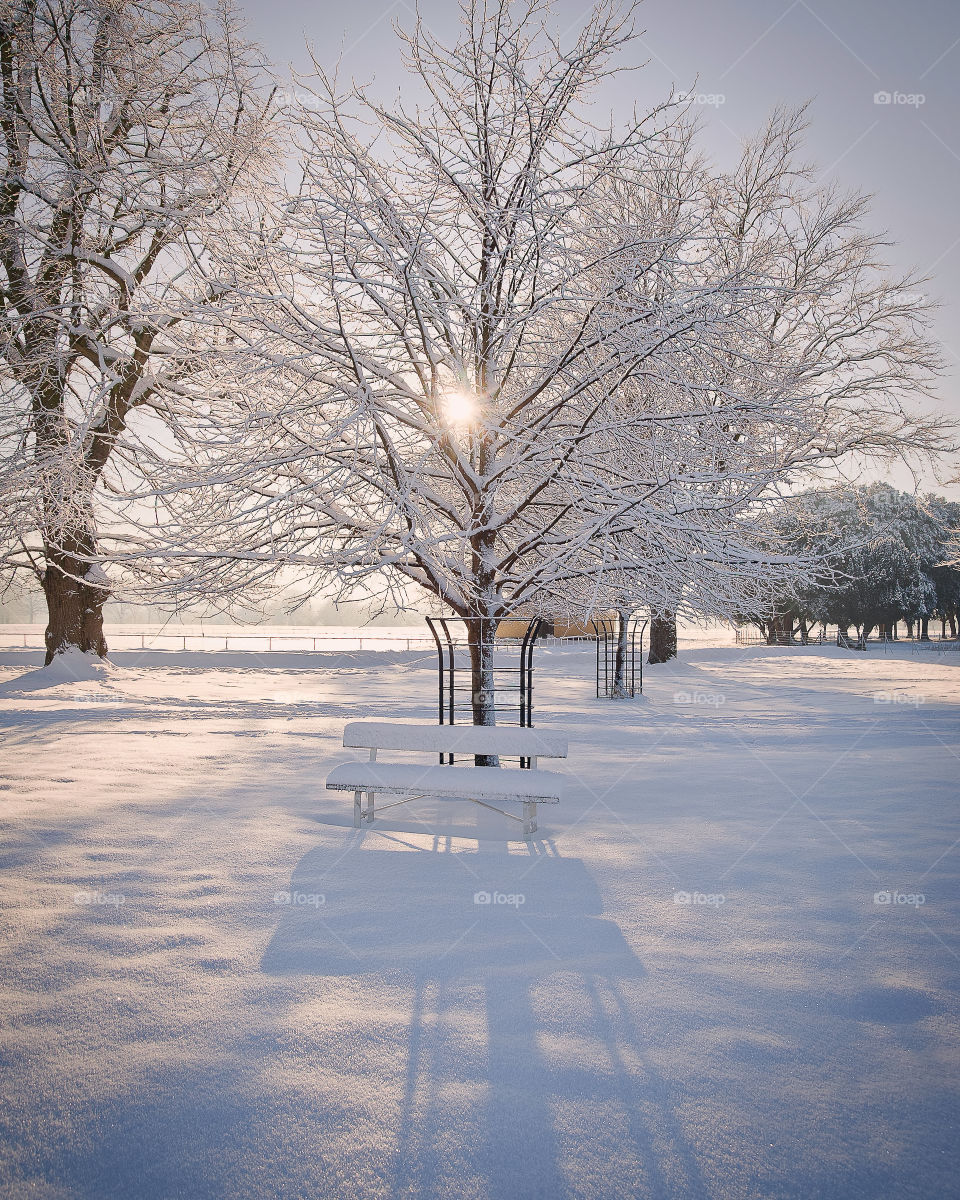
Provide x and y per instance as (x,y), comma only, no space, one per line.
(460,783)
(455,739)
(489,786)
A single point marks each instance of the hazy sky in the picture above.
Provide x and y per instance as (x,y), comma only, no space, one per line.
(744,57)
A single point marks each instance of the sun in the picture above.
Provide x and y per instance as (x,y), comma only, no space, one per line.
(460,408)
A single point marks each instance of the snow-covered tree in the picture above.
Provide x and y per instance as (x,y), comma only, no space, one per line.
(945,571)
(949,514)
(492,352)
(440,329)
(123,126)
(815,365)
(879,551)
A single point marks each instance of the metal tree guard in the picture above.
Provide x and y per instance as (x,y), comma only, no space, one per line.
(608,637)
(454,676)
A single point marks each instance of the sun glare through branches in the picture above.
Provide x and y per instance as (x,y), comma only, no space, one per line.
(460,409)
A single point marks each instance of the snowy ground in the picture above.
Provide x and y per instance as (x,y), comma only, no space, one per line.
(212,986)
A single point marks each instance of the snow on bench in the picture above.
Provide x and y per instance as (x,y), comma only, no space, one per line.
(453,739)
(528,786)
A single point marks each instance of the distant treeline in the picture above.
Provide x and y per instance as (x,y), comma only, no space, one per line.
(887,557)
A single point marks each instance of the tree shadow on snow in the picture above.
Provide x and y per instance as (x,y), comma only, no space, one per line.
(494,935)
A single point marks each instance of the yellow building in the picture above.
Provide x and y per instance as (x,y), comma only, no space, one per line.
(555,627)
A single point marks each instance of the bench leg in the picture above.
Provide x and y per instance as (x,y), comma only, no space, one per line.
(529,817)
(370,796)
(357,809)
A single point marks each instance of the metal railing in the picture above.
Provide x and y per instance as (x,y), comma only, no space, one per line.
(753,637)
(245,641)
(630,683)
(272,643)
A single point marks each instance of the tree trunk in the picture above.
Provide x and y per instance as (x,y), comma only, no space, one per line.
(924,629)
(481,639)
(621,685)
(663,637)
(952,618)
(74,608)
(74,605)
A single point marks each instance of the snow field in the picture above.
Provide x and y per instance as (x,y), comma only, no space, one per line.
(687,984)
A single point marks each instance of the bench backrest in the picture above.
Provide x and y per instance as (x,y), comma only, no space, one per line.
(459,739)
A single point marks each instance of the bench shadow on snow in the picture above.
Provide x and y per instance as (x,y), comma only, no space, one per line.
(456,926)
(441,915)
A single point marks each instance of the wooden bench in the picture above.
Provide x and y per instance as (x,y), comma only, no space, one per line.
(527,786)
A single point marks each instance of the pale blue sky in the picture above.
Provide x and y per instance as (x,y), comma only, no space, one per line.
(754,54)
